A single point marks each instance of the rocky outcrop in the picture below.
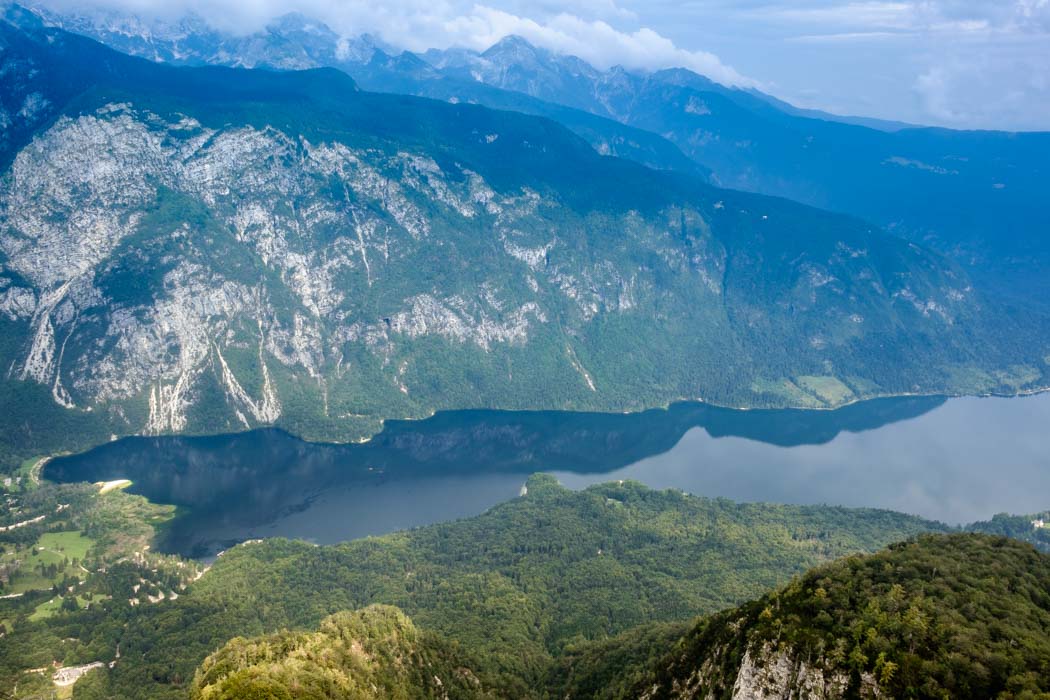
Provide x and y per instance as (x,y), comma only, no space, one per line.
(322,223)
(765,672)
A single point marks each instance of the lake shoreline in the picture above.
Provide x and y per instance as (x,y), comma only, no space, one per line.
(510,411)
(917,455)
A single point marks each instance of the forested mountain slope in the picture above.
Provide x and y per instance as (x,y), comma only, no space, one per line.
(209,249)
(373,653)
(961,616)
(943,616)
(579,594)
(515,588)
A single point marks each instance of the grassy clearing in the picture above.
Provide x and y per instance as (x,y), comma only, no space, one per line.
(1018,377)
(53,552)
(830,390)
(786,389)
(25,581)
(70,543)
(25,477)
(30,471)
(52,606)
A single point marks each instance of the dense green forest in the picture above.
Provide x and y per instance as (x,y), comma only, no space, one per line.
(958,616)
(373,653)
(556,591)
(528,581)
(938,616)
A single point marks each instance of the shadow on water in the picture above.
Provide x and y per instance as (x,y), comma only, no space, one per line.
(235,484)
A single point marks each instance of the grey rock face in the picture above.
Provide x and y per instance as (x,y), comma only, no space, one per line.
(321,225)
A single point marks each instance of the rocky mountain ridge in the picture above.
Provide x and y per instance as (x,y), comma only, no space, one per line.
(973,195)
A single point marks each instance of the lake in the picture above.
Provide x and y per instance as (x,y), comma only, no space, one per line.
(955,460)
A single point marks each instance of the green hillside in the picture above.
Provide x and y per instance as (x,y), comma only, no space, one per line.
(960,616)
(517,587)
(373,653)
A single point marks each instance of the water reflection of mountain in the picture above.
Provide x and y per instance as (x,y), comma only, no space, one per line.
(264,464)
(602,442)
(233,484)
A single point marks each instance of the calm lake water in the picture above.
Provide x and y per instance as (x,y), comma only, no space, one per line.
(956,460)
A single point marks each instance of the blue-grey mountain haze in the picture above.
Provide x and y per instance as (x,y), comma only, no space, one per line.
(959,63)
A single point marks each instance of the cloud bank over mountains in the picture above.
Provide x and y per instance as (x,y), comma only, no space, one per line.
(958,63)
(578,27)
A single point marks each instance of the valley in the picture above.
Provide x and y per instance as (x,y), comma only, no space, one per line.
(331,370)
(521,591)
(210,260)
(573,578)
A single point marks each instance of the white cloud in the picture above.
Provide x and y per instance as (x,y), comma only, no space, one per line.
(881,15)
(964,63)
(957,63)
(595,41)
(999,85)
(844,37)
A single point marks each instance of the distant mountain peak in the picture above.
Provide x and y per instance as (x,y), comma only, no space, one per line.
(359,49)
(298,22)
(404,62)
(683,77)
(512,42)
(108,21)
(516,49)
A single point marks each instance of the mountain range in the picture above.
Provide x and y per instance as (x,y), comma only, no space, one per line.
(208,233)
(212,249)
(975,195)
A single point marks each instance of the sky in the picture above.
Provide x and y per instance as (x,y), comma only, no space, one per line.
(957,63)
